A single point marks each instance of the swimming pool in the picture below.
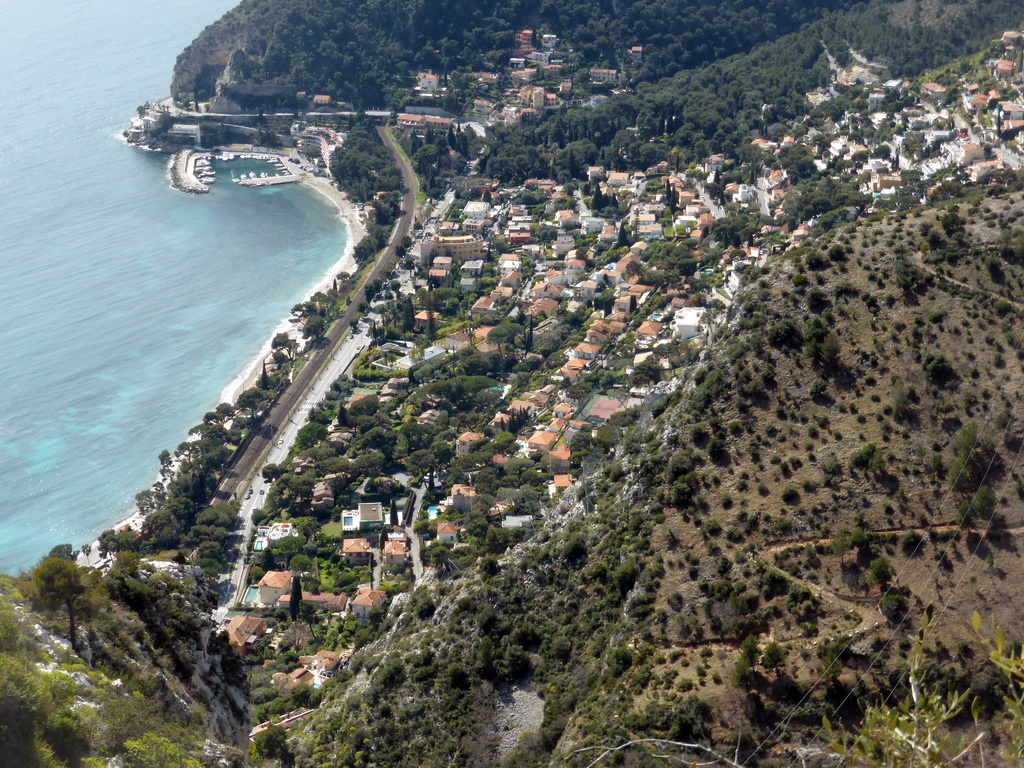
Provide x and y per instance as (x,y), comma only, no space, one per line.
(251,595)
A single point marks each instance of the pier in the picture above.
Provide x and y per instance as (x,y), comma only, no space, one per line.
(269,181)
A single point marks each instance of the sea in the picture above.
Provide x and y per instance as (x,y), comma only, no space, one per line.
(127,309)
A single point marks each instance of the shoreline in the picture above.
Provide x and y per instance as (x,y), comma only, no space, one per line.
(349,214)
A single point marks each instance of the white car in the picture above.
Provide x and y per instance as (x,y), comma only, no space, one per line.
(280,441)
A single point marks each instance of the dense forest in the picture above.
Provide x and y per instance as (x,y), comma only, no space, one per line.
(363,52)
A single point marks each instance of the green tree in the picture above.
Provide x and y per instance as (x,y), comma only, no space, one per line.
(774,655)
(152,751)
(58,582)
(272,744)
(63,551)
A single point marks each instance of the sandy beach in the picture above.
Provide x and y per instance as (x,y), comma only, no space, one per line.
(349,213)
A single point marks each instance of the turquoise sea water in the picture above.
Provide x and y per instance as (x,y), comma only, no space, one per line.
(126,308)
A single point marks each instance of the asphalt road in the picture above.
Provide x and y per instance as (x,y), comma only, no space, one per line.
(281,423)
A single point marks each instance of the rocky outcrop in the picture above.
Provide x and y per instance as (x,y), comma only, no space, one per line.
(221,684)
(201,65)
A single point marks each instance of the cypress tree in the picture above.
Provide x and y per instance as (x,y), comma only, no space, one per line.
(623,240)
(296,597)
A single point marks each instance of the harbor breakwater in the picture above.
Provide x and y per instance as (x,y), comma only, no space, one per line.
(182,174)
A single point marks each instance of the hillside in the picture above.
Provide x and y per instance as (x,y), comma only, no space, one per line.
(133,673)
(365,52)
(845,454)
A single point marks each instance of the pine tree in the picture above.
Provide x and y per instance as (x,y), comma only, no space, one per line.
(264,377)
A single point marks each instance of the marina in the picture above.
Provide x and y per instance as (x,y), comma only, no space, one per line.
(194,171)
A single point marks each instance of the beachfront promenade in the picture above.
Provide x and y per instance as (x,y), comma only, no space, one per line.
(300,393)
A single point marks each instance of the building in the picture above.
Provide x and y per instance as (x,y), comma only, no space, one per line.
(559,484)
(428,81)
(465,441)
(396,554)
(273,585)
(244,631)
(882,181)
(649,331)
(462,497)
(186,134)
(323,496)
(604,75)
(447,532)
(686,322)
(420,124)
(967,154)
(422,319)
(355,551)
(321,601)
(559,458)
(586,351)
(321,100)
(542,440)
(371,516)
(365,601)
(457,247)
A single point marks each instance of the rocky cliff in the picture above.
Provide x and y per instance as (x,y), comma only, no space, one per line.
(202,64)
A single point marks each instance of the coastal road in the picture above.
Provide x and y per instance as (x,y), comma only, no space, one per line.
(167,105)
(272,441)
(231,583)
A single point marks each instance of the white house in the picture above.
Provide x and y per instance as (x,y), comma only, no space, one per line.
(447,532)
(686,322)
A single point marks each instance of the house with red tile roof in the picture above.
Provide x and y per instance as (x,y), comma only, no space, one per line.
(273,585)
(244,631)
(447,532)
(365,601)
(355,551)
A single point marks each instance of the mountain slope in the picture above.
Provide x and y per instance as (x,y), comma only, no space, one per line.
(809,489)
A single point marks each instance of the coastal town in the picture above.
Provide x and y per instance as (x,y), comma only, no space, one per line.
(525,325)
